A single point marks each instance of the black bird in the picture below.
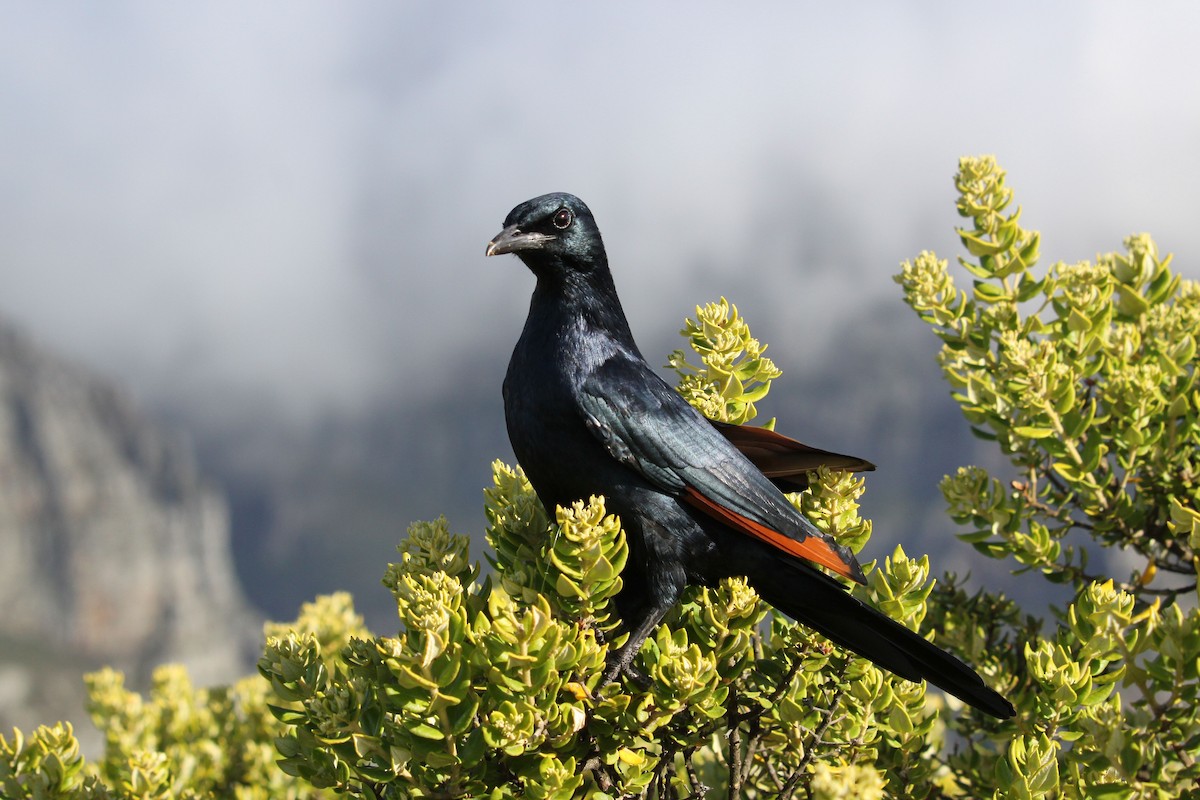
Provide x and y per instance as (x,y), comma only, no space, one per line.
(587,415)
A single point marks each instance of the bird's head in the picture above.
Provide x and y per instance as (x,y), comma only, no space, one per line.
(551,233)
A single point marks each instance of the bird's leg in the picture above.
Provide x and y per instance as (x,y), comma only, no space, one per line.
(653,585)
(619,662)
(644,621)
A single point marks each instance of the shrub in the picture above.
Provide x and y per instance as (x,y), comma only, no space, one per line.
(1084,377)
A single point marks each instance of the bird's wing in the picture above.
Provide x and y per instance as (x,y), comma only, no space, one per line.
(646,425)
(784,460)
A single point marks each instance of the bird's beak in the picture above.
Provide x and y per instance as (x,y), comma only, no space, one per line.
(511,239)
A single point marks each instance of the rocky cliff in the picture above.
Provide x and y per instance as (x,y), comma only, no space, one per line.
(113,548)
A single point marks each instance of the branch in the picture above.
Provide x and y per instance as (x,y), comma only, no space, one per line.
(810,750)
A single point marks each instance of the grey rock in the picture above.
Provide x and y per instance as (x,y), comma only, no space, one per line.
(113,547)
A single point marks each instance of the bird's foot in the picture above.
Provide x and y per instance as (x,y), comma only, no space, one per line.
(621,662)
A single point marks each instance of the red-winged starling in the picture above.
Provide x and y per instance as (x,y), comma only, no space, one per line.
(588,416)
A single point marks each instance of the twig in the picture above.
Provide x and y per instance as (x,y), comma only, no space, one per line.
(735,760)
(698,788)
(815,739)
(810,751)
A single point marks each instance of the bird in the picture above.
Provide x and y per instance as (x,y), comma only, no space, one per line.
(587,415)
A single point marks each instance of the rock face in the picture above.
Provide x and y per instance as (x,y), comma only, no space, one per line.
(113,548)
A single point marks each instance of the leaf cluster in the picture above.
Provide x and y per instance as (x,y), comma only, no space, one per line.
(176,741)
(733,374)
(1085,377)
(492,687)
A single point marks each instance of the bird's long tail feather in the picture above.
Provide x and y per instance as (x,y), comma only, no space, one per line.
(823,604)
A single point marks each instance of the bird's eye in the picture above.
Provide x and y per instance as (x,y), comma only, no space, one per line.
(563,218)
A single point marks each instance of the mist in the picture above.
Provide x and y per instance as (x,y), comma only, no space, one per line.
(285,206)
(272,217)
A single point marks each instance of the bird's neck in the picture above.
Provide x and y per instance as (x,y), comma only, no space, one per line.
(569,304)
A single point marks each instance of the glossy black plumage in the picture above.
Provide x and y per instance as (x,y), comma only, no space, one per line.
(587,415)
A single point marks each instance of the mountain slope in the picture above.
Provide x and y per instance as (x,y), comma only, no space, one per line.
(113,548)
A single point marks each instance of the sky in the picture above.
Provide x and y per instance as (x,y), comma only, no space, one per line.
(284,206)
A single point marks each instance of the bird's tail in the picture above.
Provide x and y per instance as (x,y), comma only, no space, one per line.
(823,604)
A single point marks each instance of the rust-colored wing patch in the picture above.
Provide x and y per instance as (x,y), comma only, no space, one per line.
(783,459)
(810,548)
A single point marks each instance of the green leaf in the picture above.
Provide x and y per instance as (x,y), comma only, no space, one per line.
(1067,470)
(979,246)
(567,587)
(1109,791)
(975,269)
(989,292)
(1029,287)
(1032,431)
(1129,302)
(424,730)
(288,716)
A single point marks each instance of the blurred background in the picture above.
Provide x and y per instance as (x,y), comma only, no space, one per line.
(248,334)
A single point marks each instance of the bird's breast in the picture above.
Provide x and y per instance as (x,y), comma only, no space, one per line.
(564,461)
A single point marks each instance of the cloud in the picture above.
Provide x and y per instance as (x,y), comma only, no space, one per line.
(286,205)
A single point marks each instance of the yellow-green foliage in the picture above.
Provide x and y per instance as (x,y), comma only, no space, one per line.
(733,373)
(1084,376)
(492,688)
(47,764)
